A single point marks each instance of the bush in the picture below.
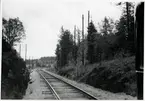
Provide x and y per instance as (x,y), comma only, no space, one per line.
(15,75)
(67,71)
(116,76)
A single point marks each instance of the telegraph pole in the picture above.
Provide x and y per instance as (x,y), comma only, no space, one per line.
(25,51)
(20,50)
(29,62)
(32,61)
(127,10)
(74,48)
(83,39)
(88,18)
(74,33)
(82,27)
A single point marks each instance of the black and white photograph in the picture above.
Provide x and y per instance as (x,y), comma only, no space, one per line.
(72,50)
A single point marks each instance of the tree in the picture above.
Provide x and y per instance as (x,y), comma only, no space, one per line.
(15,74)
(13,30)
(75,47)
(78,37)
(64,48)
(107,29)
(91,43)
(107,26)
(58,55)
(125,28)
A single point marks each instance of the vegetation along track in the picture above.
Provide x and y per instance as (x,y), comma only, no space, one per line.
(60,89)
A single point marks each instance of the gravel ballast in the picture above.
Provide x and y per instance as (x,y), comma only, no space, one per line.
(99,93)
(35,89)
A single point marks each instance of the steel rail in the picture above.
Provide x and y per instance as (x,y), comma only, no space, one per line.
(53,91)
(87,93)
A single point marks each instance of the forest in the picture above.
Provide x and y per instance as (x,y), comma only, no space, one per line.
(108,49)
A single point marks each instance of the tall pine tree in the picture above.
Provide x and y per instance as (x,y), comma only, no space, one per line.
(91,43)
(64,48)
(125,28)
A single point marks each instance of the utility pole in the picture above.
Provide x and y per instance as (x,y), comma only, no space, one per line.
(32,61)
(74,49)
(127,20)
(78,36)
(88,18)
(29,62)
(20,50)
(74,34)
(82,27)
(25,51)
(83,39)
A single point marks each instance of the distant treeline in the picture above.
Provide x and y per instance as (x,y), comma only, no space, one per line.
(49,58)
(110,40)
(46,61)
(41,62)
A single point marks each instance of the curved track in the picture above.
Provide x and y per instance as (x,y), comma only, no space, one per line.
(62,90)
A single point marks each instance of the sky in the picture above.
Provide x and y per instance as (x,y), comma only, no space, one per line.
(42,20)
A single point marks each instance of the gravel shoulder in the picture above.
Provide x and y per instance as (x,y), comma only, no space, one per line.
(34,90)
(99,93)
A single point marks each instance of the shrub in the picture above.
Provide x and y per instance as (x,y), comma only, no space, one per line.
(15,75)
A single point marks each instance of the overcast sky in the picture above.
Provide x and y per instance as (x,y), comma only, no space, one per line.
(42,20)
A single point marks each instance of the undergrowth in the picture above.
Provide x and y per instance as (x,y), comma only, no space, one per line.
(116,75)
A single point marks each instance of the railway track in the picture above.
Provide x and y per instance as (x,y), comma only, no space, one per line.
(62,90)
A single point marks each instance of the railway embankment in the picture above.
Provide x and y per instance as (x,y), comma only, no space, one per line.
(97,92)
(116,76)
(35,89)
